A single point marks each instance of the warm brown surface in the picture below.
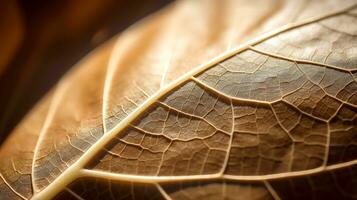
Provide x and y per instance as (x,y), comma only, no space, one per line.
(11,30)
(140,118)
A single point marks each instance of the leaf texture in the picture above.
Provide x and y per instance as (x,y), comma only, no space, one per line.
(250,100)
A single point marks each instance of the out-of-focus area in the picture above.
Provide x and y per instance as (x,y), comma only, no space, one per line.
(41,40)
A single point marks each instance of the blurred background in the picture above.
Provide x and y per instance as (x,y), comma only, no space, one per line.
(41,40)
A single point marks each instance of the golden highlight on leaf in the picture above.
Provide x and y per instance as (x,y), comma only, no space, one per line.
(202,100)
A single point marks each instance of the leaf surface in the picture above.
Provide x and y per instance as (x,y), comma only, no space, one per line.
(176,109)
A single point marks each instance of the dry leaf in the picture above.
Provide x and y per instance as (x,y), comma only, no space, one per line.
(205,99)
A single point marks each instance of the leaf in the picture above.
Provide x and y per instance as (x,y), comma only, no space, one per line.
(176,108)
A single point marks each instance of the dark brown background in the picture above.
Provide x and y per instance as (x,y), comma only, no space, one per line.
(40,40)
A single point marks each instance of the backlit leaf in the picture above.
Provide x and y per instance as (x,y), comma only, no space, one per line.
(203,100)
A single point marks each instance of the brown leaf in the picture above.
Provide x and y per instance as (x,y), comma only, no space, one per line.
(200,101)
